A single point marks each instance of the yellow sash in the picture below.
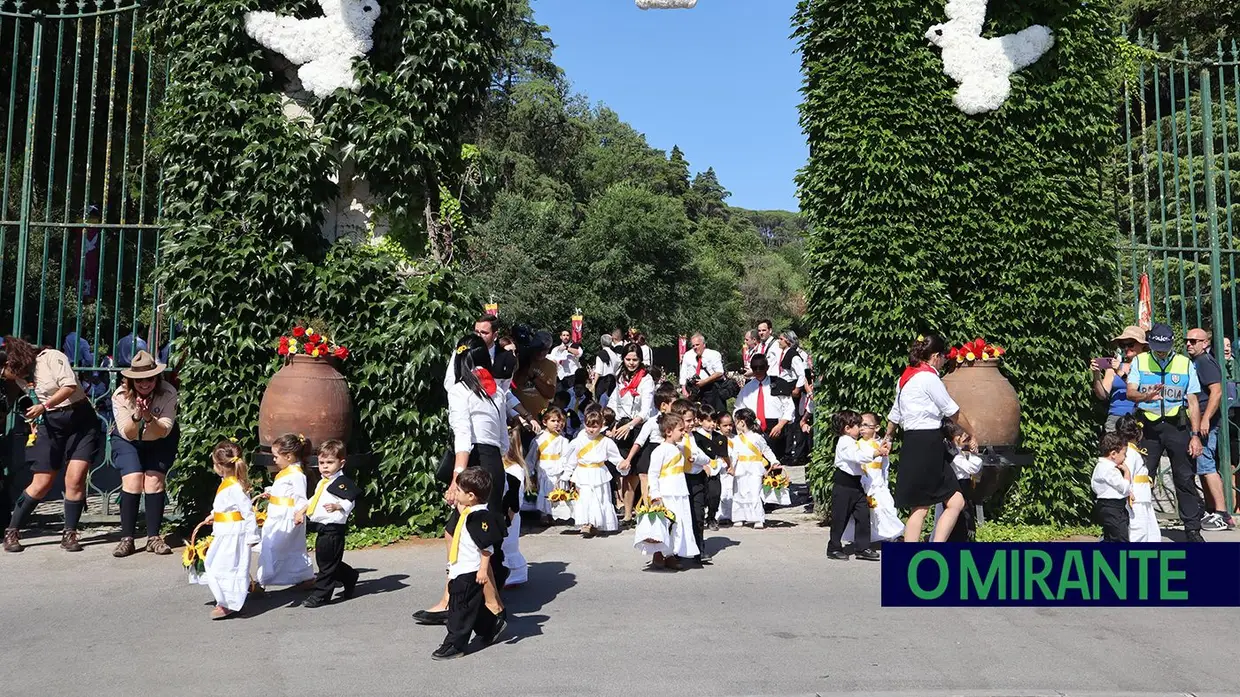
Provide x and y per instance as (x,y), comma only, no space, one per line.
(288,471)
(585,450)
(456,534)
(281,501)
(318,491)
(228,481)
(227,517)
(757,452)
(675,465)
(542,449)
(1142,479)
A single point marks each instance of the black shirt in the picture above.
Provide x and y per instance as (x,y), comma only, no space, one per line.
(1208,373)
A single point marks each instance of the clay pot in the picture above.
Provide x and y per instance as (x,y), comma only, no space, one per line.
(307,396)
(987,401)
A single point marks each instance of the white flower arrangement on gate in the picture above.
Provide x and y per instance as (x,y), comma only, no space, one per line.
(981,66)
(324,46)
(666,4)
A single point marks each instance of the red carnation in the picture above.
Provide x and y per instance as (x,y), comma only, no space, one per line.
(283,350)
(951,355)
(299,332)
(342,352)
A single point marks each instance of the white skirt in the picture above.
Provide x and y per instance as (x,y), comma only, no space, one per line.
(1142,523)
(682,542)
(545,487)
(747,501)
(594,506)
(227,564)
(726,483)
(652,537)
(514,561)
(282,558)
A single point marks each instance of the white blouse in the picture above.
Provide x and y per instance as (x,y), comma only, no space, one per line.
(477,420)
(629,406)
(922,404)
(1108,482)
(849,457)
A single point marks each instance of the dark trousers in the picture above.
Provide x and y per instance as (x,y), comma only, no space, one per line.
(329,555)
(966,523)
(1173,438)
(1112,515)
(848,500)
(489,458)
(714,491)
(467,612)
(697,505)
(779,445)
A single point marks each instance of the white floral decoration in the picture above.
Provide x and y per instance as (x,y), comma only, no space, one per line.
(666,4)
(981,66)
(324,46)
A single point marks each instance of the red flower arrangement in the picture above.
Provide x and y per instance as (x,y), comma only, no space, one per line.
(975,350)
(305,341)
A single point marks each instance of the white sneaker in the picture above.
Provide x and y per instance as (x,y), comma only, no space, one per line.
(759,526)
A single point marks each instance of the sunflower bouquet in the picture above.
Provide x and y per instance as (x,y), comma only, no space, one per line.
(775,483)
(561,500)
(194,558)
(871,502)
(260,510)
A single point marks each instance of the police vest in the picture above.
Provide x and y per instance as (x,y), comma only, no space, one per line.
(1174,379)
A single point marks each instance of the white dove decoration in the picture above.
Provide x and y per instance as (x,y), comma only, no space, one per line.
(666,4)
(983,67)
(324,46)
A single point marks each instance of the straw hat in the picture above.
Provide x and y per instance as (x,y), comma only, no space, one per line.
(1131,333)
(143,366)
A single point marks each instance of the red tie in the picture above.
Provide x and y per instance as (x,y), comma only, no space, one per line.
(761,408)
(699,372)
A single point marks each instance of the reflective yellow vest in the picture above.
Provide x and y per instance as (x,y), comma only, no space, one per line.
(1174,379)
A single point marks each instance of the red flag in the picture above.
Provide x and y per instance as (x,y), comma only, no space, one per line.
(576,329)
(1145,306)
(491,309)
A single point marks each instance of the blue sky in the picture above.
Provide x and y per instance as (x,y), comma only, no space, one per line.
(719,80)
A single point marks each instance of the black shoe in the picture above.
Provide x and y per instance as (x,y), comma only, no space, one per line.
(705,558)
(349,588)
(314,601)
(868,555)
(714,526)
(1193,536)
(446,652)
(427,617)
(837,555)
(501,623)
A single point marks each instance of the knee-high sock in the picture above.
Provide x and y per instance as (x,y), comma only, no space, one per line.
(22,509)
(73,513)
(129,513)
(155,512)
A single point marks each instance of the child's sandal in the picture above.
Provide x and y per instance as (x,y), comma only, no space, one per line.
(219,613)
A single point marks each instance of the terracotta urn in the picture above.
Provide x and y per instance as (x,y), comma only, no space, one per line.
(987,401)
(307,396)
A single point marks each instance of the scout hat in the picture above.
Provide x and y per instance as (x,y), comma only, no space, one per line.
(1131,333)
(143,366)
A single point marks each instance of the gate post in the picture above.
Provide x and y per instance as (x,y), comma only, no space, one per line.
(1223,454)
(23,228)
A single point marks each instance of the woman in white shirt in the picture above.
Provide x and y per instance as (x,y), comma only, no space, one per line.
(925,475)
(633,403)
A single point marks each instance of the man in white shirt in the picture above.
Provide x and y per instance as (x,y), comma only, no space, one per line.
(774,413)
(767,346)
(567,357)
(701,369)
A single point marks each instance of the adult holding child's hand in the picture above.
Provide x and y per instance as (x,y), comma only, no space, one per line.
(925,476)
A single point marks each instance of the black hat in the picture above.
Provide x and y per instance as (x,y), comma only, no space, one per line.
(1160,338)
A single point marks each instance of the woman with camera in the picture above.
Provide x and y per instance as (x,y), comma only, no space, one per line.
(1110,378)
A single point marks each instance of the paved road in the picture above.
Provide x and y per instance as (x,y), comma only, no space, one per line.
(772,616)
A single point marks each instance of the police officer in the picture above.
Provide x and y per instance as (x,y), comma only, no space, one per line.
(1164,385)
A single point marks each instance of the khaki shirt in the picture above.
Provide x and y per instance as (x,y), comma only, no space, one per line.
(163,407)
(52,371)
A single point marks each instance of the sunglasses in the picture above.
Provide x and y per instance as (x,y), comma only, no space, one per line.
(1126,344)
(1198,341)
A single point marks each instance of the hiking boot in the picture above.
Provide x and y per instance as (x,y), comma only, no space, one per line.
(1213,522)
(12,540)
(157,545)
(125,548)
(69,541)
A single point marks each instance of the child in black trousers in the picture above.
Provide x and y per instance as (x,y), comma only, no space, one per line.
(476,540)
(328,512)
(848,496)
(1112,485)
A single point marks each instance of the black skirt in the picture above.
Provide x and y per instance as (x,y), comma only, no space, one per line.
(487,457)
(925,475)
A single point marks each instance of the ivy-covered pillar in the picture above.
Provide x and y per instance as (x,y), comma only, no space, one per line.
(990,223)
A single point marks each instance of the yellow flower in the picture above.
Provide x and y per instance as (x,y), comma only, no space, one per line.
(202,547)
(292,346)
(188,556)
(310,331)
(30,439)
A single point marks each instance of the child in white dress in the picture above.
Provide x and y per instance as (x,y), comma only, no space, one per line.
(514,469)
(283,559)
(547,456)
(754,460)
(1142,523)
(727,481)
(227,566)
(669,488)
(885,523)
(591,451)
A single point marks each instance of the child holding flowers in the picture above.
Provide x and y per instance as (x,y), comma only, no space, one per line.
(282,557)
(754,460)
(546,457)
(588,457)
(227,566)
(668,492)
(848,497)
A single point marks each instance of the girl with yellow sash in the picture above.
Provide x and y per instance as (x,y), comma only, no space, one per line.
(227,566)
(754,458)
(587,468)
(282,557)
(1142,523)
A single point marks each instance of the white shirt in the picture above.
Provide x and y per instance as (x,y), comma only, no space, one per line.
(548,453)
(629,406)
(778,408)
(604,450)
(965,465)
(849,457)
(477,420)
(1108,482)
(647,356)
(794,374)
(468,553)
(744,445)
(712,363)
(667,472)
(922,404)
(649,432)
(326,517)
(566,362)
(609,368)
(449,378)
(770,349)
(697,460)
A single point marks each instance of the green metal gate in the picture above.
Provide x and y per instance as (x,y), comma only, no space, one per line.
(79,202)
(1179,203)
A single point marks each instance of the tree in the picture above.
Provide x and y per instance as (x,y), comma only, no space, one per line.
(678,172)
(706,196)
